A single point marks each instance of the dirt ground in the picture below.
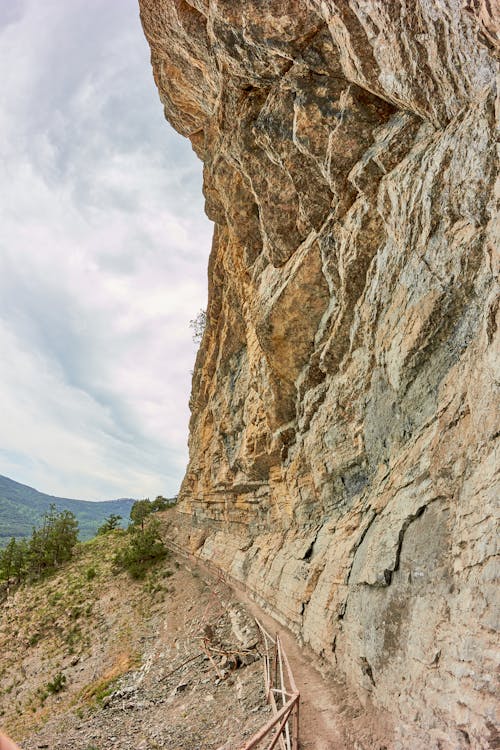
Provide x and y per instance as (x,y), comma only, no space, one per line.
(173,662)
(155,664)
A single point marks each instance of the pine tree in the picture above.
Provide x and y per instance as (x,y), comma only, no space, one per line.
(50,545)
(53,543)
(145,548)
(20,560)
(111,523)
(64,536)
(14,561)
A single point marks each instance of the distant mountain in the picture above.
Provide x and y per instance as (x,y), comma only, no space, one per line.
(21,508)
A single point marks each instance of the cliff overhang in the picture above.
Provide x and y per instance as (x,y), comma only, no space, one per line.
(344,420)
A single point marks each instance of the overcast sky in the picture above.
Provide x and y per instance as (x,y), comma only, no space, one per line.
(103,256)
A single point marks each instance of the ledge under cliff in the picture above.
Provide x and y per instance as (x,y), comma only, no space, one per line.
(344,403)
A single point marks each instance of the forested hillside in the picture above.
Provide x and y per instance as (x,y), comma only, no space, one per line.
(21,508)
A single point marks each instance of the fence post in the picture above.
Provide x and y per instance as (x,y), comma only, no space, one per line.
(275,680)
(295,725)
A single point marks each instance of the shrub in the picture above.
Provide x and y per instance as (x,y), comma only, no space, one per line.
(57,684)
(34,639)
(143,550)
(198,325)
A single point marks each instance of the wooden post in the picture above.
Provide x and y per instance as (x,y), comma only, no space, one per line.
(295,725)
(282,690)
(275,682)
(278,737)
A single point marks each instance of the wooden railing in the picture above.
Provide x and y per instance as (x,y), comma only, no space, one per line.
(282,694)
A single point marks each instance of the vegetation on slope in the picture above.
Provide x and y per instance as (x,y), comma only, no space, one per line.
(66,636)
(50,545)
(54,541)
(144,548)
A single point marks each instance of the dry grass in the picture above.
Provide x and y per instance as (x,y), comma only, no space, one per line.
(103,686)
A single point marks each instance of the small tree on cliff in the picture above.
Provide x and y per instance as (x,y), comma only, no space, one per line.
(198,326)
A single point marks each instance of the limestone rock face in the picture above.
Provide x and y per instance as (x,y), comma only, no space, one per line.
(344,411)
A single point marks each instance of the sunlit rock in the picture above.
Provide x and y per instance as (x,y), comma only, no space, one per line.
(344,411)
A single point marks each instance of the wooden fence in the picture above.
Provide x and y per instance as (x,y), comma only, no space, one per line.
(281,692)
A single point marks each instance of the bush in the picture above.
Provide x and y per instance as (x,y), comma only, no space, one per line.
(143,550)
(57,684)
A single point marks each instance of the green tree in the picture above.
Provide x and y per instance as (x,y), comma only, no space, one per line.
(159,503)
(139,511)
(49,546)
(65,536)
(111,523)
(38,551)
(53,543)
(20,560)
(6,561)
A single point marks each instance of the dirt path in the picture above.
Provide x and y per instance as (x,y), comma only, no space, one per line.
(318,722)
(136,675)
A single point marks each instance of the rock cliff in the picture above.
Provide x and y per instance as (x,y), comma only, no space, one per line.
(344,412)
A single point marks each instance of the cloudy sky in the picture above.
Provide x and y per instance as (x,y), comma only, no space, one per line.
(103,256)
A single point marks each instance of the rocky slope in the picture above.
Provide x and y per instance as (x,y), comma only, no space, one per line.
(344,411)
(92,660)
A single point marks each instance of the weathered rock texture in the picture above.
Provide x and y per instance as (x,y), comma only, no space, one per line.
(344,411)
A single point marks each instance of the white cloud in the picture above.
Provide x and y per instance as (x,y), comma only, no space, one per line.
(103,251)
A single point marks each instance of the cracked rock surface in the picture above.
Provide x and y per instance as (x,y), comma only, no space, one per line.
(344,402)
